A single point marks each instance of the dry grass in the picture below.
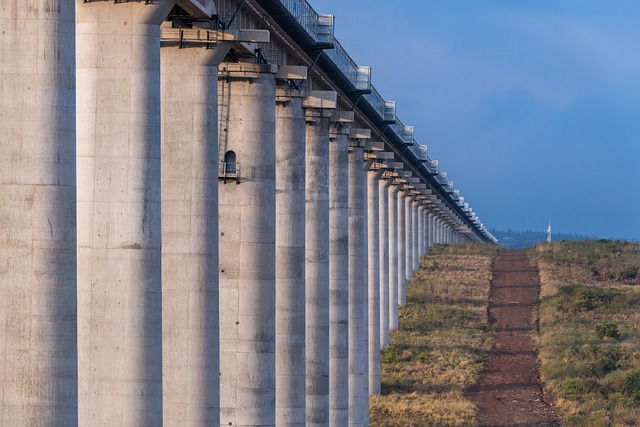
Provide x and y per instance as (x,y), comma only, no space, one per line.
(589,340)
(438,350)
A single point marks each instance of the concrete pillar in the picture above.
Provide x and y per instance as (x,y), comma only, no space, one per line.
(38,311)
(339,272)
(416,233)
(383,198)
(290,259)
(433,231)
(373,244)
(317,266)
(402,247)
(420,234)
(119,224)
(408,233)
(247,225)
(189,164)
(358,377)
(393,256)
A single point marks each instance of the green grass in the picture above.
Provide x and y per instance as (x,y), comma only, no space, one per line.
(589,342)
(443,334)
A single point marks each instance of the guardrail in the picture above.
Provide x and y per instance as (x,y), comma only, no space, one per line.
(386,110)
(359,77)
(319,27)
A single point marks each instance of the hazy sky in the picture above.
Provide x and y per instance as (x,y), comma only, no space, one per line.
(531,107)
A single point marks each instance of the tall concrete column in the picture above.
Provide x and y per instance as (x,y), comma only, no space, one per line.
(38,311)
(408,228)
(373,244)
(383,198)
(119,224)
(317,266)
(393,256)
(247,226)
(358,355)
(189,164)
(420,234)
(402,246)
(290,259)
(432,229)
(416,232)
(409,240)
(339,271)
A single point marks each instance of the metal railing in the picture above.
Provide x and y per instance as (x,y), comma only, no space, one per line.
(359,77)
(319,27)
(386,110)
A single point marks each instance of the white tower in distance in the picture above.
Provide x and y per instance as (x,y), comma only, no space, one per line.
(549,232)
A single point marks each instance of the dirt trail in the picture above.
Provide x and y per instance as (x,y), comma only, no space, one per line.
(508,392)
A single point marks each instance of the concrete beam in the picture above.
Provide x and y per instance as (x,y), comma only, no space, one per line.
(291,72)
(326,99)
(360,134)
(376,146)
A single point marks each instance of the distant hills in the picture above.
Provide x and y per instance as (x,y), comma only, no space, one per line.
(522,239)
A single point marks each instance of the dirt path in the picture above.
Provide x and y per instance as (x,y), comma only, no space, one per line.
(509,393)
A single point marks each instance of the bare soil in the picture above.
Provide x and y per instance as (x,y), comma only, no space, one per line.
(509,392)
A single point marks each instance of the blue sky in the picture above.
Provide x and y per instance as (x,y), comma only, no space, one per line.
(531,107)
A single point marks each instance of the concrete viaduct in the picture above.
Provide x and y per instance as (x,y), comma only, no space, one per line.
(207,216)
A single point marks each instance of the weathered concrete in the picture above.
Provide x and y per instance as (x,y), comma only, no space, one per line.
(432,228)
(290,259)
(409,230)
(416,233)
(383,225)
(38,344)
(402,247)
(317,260)
(119,225)
(373,244)
(358,355)
(393,256)
(247,224)
(422,234)
(190,327)
(338,276)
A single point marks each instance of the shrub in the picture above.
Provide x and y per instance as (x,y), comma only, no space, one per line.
(604,365)
(608,329)
(578,388)
(591,299)
(632,384)
(629,274)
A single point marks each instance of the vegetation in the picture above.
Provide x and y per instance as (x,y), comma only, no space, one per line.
(438,350)
(589,338)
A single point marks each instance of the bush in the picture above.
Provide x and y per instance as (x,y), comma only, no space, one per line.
(578,388)
(591,299)
(604,365)
(629,274)
(608,329)
(632,384)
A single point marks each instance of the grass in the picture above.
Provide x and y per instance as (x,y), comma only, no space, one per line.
(589,339)
(438,349)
